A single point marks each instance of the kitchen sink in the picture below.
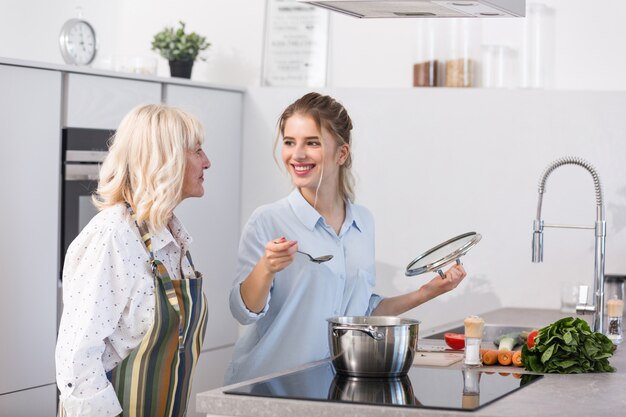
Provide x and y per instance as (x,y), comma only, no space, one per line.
(490,333)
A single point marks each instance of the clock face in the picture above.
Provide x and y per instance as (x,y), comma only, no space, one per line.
(78,42)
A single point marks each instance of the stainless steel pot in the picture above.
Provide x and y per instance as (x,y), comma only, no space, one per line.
(372,346)
(392,391)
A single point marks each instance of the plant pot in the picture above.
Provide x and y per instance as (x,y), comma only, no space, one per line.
(181,69)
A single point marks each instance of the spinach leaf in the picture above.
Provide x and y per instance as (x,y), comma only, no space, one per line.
(568,346)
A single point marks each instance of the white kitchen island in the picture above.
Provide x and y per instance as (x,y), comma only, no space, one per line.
(553,395)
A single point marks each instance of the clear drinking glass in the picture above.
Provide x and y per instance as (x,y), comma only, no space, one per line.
(539,46)
(569,297)
(614,287)
(498,66)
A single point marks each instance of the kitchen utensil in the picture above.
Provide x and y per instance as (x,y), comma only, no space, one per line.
(372,346)
(319,259)
(441,255)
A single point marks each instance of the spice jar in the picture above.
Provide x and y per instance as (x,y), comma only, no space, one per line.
(426,67)
(470,401)
(471,388)
(474,327)
(461,65)
(471,381)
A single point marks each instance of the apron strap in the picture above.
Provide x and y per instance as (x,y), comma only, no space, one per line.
(196,273)
(160,271)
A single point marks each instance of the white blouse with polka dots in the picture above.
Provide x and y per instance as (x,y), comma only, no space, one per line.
(108,304)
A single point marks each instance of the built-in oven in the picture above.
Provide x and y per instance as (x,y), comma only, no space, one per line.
(83,152)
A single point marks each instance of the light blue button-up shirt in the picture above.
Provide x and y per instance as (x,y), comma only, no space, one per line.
(292,329)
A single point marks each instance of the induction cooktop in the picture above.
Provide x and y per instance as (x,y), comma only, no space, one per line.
(450,389)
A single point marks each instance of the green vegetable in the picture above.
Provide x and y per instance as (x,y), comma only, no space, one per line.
(568,346)
(508,344)
(523,337)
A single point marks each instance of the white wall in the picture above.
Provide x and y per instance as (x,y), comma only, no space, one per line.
(125,29)
(373,53)
(435,163)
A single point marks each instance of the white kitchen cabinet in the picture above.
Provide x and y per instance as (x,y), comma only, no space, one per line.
(101,102)
(36,402)
(30,109)
(213,220)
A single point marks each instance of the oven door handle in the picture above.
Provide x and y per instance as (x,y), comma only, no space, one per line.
(85,156)
(82,172)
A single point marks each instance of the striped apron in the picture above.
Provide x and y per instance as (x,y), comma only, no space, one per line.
(155,379)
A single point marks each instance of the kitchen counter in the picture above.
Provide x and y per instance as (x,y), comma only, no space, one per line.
(553,395)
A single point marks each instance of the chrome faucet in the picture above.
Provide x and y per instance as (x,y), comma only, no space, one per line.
(597,307)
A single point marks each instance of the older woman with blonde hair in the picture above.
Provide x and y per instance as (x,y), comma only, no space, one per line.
(134,313)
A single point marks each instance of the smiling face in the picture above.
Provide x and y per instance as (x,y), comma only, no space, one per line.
(196,163)
(311,156)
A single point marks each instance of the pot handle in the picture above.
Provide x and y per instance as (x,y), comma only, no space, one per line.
(370,331)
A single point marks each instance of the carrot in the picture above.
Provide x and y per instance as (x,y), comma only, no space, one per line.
(490,357)
(517,358)
(504,357)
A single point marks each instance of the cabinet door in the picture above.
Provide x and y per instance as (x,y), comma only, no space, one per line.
(30,161)
(213,220)
(101,102)
(39,402)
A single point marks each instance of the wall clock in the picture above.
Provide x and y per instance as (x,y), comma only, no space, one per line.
(78,42)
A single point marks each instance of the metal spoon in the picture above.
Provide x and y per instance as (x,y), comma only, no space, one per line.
(319,259)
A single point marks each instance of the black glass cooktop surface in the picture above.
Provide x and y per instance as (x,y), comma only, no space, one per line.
(452,389)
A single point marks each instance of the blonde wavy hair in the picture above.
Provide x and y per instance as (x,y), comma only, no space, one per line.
(146,163)
(331,115)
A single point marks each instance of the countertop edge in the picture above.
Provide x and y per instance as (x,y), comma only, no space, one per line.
(578,395)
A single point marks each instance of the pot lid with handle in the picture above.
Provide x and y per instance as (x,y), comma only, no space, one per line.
(434,259)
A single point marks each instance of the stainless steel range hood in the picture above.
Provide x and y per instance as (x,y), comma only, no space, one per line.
(424,8)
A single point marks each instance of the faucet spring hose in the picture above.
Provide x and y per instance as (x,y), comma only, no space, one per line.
(572,160)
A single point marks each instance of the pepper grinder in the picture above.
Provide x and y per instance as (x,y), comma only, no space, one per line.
(614,294)
(471,388)
(615,308)
(474,326)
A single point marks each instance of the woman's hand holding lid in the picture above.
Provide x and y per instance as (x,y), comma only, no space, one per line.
(452,278)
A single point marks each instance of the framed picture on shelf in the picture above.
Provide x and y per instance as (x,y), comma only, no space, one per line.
(295,48)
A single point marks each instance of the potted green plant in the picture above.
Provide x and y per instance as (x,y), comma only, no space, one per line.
(179,48)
